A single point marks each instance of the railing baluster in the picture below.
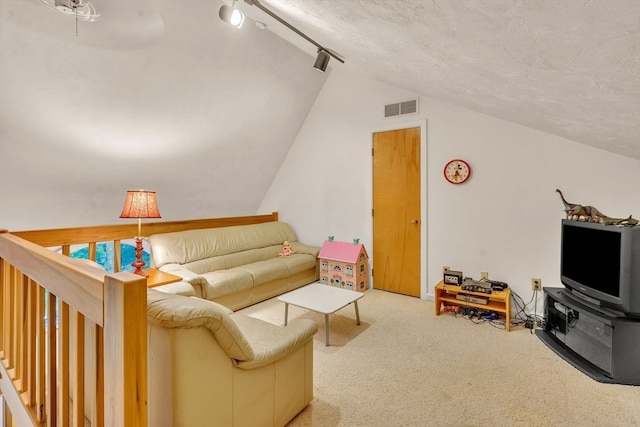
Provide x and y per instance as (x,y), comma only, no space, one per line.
(5,267)
(32,320)
(10,307)
(78,376)
(92,251)
(100,377)
(3,284)
(52,371)
(63,362)
(21,338)
(117,256)
(41,356)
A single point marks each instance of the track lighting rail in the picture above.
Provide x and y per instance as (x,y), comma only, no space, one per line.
(233,16)
(260,6)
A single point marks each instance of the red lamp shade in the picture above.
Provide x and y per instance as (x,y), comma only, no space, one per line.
(140,204)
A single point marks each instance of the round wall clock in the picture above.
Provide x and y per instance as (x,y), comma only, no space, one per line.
(457,171)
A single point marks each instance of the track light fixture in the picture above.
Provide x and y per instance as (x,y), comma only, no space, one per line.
(322,60)
(324,54)
(231,15)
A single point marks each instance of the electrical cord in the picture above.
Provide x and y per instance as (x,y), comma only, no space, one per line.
(474,315)
(521,316)
(499,324)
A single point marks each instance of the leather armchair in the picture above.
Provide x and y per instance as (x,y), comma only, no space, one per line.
(209,366)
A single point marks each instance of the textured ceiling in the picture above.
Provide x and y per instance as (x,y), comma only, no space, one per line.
(569,68)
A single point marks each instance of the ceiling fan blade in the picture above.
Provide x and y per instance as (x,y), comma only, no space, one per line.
(114,24)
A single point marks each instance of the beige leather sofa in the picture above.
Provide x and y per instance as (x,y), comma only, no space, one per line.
(209,366)
(235,266)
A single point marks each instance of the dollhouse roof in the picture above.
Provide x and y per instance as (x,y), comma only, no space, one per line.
(342,251)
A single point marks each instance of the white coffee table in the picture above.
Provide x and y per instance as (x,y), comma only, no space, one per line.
(323,299)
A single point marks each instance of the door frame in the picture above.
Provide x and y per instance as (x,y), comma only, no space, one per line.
(424,192)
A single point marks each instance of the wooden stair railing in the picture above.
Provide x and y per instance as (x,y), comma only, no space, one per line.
(48,317)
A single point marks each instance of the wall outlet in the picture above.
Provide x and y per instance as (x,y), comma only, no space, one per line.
(484,275)
(445,268)
(536,284)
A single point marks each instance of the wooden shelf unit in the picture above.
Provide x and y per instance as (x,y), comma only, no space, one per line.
(497,301)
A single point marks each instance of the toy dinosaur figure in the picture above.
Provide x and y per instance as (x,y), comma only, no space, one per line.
(591,214)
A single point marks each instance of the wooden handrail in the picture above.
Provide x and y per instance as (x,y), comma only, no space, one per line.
(55,272)
(107,233)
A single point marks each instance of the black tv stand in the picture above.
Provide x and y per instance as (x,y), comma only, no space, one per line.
(602,345)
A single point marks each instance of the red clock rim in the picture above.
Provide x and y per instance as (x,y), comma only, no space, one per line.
(444,171)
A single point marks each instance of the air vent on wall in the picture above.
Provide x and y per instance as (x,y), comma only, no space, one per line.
(401,108)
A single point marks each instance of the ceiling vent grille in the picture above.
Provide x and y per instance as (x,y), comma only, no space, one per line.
(401,108)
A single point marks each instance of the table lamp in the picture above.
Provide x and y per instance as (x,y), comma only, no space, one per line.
(140,204)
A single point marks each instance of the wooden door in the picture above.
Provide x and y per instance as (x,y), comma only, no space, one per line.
(396,211)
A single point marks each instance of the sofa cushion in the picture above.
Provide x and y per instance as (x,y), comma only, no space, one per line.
(297,262)
(232,260)
(192,245)
(266,271)
(176,311)
(225,282)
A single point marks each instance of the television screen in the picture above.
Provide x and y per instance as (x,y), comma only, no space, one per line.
(591,258)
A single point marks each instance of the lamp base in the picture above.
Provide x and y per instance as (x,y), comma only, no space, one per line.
(140,272)
(139,262)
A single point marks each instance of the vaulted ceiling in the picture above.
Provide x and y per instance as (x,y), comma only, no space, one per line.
(569,68)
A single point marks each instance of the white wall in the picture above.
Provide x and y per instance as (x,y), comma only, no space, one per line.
(504,220)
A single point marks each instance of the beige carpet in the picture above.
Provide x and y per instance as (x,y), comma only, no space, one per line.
(404,366)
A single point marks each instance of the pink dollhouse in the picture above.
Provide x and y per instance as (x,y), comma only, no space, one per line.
(344,265)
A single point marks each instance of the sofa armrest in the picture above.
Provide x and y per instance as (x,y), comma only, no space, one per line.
(197,282)
(183,288)
(176,311)
(187,275)
(270,342)
(301,248)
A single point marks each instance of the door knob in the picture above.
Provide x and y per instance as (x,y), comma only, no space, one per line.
(415,221)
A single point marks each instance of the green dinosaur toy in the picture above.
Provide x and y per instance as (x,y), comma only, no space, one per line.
(590,214)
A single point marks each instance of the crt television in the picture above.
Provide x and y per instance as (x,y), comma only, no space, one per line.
(601,264)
